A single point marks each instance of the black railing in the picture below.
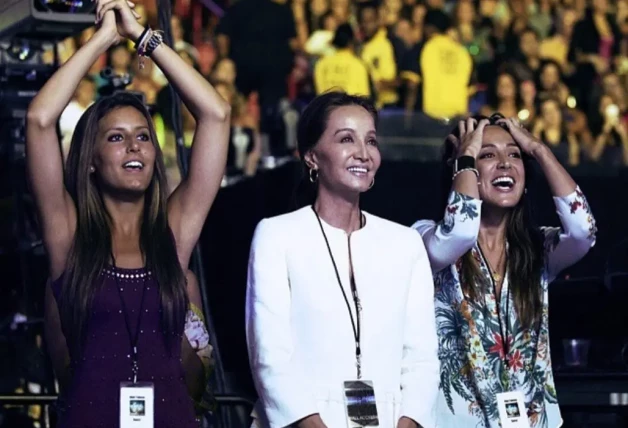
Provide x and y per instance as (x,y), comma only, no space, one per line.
(46,400)
(38,399)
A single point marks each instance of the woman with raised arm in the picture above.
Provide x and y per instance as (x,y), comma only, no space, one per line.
(340,308)
(492,267)
(119,308)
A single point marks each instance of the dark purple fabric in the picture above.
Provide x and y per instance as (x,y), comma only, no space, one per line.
(93,397)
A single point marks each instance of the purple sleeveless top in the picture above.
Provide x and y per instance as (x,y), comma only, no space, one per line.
(92,399)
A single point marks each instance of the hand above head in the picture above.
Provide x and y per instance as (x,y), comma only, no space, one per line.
(470,141)
(120,15)
(527,142)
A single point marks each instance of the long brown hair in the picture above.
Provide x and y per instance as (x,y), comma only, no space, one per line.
(525,250)
(91,248)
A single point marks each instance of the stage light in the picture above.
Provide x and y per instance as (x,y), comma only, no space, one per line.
(66,6)
(44,19)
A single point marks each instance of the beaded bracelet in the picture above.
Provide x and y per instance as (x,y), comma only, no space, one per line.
(155,40)
(147,43)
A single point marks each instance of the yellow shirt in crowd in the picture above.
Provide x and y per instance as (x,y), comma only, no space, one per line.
(446,68)
(379,56)
(342,70)
(554,48)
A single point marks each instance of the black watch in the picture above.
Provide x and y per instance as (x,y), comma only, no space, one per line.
(464,162)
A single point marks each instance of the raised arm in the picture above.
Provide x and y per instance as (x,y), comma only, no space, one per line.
(279,382)
(447,240)
(560,182)
(189,204)
(43,152)
(420,368)
(566,245)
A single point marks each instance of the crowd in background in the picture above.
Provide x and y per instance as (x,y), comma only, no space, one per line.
(560,66)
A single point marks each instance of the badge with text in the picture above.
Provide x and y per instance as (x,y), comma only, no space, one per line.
(360,403)
(512,410)
(137,405)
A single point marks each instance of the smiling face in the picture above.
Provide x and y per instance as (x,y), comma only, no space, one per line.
(124,154)
(502,174)
(346,156)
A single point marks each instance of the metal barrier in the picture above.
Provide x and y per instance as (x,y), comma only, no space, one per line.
(46,400)
(34,399)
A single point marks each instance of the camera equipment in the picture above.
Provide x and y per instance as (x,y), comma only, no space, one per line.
(117,83)
(45,19)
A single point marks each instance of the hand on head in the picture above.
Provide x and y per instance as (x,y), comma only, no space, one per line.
(117,19)
(527,142)
(469,140)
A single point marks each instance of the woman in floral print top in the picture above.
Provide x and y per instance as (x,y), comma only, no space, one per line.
(491,271)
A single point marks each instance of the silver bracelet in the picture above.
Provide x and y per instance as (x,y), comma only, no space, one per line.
(475,171)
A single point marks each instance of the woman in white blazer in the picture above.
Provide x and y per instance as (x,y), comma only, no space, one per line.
(336,294)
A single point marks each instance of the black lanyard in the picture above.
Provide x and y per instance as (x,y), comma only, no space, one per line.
(503,334)
(356,299)
(133,338)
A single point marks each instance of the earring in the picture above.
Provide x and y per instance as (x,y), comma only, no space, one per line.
(92,169)
(313,175)
(372,183)
(525,190)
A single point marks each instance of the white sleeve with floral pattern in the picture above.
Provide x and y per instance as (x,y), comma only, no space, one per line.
(447,240)
(565,245)
(198,336)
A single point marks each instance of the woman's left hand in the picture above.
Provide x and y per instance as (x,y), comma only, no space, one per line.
(126,17)
(527,142)
(405,422)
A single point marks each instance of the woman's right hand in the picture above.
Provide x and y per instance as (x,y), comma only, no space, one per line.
(312,421)
(108,30)
(471,132)
(123,16)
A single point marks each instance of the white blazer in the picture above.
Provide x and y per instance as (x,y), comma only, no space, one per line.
(299,333)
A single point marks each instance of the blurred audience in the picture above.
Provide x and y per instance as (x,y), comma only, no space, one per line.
(83,98)
(378,55)
(444,69)
(551,128)
(342,69)
(560,66)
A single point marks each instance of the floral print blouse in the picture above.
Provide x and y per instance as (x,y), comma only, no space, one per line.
(471,348)
(199,340)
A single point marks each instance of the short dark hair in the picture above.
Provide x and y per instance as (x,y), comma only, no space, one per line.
(312,125)
(343,36)
(437,19)
(366,6)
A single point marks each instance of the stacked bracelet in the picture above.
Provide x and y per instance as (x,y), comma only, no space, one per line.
(148,41)
(474,170)
(140,39)
(155,40)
